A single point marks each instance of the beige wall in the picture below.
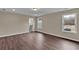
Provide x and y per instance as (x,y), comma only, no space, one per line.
(11,23)
(52,24)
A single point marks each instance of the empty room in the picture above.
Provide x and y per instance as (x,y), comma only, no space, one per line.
(39,29)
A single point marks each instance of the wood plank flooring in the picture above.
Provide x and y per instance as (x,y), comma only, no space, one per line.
(36,41)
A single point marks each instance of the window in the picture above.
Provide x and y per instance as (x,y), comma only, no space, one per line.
(69,23)
(39,22)
(30,21)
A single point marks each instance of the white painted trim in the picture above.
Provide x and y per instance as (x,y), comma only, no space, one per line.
(13,34)
(59,36)
(75,23)
(42,32)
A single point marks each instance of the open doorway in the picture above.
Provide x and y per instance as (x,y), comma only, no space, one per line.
(31,24)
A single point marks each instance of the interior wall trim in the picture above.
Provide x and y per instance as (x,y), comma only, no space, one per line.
(41,32)
(13,34)
(60,36)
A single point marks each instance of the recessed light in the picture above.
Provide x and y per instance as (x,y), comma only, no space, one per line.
(13,9)
(35,9)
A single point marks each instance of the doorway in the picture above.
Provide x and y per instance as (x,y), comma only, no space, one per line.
(31,24)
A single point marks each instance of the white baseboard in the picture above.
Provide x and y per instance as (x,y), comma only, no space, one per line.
(13,34)
(60,36)
(42,32)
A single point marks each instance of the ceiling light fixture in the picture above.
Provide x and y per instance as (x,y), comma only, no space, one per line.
(13,9)
(35,9)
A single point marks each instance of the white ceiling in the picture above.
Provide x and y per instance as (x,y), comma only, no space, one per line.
(29,11)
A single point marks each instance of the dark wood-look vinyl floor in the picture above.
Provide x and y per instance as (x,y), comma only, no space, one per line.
(36,41)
